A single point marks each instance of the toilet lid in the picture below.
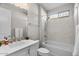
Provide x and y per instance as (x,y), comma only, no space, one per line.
(43,50)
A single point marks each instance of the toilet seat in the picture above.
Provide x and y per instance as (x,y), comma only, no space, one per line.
(43,51)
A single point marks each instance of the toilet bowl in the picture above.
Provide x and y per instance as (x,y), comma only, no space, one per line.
(43,52)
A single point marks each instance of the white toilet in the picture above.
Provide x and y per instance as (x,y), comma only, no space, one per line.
(43,52)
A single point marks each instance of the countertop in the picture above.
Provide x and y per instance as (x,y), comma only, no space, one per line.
(13,47)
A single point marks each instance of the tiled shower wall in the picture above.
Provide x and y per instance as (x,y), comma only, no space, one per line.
(62,29)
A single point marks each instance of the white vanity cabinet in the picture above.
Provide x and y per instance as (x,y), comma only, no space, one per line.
(30,50)
(33,49)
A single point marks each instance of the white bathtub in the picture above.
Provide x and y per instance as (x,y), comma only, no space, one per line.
(59,49)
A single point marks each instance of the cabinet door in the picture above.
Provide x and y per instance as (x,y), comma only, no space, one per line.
(33,49)
(22,52)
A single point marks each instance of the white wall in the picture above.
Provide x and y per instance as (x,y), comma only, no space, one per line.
(62,30)
(33,22)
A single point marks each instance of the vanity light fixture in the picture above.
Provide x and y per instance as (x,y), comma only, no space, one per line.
(22,5)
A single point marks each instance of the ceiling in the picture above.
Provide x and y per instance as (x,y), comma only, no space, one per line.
(49,6)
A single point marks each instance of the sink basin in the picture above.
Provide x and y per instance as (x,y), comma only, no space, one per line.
(20,43)
(15,44)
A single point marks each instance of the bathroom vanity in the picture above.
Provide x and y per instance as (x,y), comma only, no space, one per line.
(20,48)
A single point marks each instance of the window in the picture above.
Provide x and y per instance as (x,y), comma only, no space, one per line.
(60,14)
(63,14)
(53,16)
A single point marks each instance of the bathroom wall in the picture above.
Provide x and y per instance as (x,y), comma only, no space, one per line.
(62,30)
(36,22)
(43,19)
(18,17)
(33,31)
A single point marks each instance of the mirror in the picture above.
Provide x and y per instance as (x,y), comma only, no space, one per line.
(5,23)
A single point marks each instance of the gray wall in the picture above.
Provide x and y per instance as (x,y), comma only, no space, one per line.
(33,22)
(36,22)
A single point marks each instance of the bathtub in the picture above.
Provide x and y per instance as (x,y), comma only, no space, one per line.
(58,49)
